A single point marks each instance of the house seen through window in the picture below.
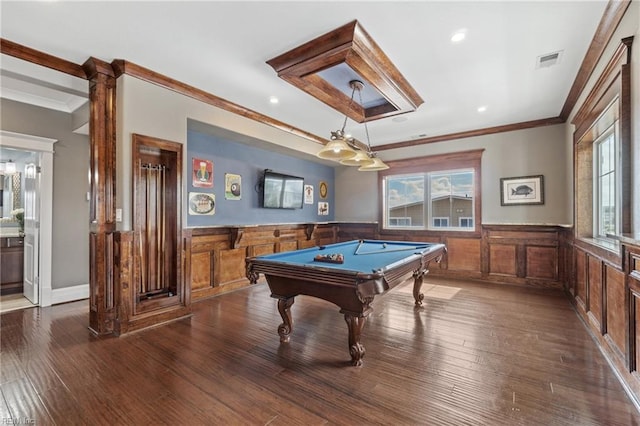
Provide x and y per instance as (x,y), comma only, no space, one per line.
(431,200)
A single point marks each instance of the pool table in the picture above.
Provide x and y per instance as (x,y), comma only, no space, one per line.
(348,274)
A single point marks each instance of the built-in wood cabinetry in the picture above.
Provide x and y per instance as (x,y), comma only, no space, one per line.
(149,286)
(631,261)
(602,277)
(11,264)
(606,292)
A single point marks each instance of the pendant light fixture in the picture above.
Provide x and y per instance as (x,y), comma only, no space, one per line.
(345,150)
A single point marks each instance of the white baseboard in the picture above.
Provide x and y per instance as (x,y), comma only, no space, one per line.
(69,294)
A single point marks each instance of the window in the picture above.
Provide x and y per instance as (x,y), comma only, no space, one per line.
(606,200)
(399,221)
(440,222)
(450,196)
(602,148)
(432,193)
(600,181)
(465,222)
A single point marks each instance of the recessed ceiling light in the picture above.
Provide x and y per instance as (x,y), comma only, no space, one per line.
(399,119)
(482,108)
(274,100)
(459,35)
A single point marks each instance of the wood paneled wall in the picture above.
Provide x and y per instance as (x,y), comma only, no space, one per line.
(605,289)
(527,255)
(522,254)
(132,313)
(217,255)
(532,255)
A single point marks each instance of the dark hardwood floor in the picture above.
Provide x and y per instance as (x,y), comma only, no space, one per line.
(475,354)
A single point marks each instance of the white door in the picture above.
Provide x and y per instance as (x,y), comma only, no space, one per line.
(31,232)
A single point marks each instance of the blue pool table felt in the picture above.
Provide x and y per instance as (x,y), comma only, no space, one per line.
(372,255)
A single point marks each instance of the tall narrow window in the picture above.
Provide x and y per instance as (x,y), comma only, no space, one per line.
(603,153)
(606,200)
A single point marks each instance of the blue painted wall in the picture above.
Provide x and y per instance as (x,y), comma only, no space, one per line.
(250,162)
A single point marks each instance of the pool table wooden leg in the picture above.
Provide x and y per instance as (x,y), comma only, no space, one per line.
(285,329)
(356,349)
(417,285)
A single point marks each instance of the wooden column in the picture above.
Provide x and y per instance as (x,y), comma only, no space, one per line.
(102,134)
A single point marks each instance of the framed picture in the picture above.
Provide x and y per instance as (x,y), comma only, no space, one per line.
(201,203)
(323,208)
(202,173)
(515,191)
(308,194)
(324,190)
(232,186)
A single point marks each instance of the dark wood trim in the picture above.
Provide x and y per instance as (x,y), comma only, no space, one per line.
(610,20)
(123,282)
(614,82)
(94,66)
(121,67)
(416,164)
(449,161)
(349,44)
(40,58)
(604,90)
(471,133)
(625,137)
(102,180)
(166,262)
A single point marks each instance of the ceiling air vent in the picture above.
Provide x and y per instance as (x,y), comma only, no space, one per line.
(548,60)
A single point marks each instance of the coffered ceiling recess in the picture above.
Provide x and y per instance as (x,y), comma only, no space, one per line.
(324,66)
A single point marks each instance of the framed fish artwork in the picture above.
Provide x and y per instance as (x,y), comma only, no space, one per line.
(517,191)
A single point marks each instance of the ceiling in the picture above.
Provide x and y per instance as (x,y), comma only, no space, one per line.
(222,48)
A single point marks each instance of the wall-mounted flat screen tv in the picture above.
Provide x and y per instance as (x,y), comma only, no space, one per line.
(282,191)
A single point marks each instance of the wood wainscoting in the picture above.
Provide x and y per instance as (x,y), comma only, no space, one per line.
(522,254)
(531,255)
(605,290)
(216,256)
(515,254)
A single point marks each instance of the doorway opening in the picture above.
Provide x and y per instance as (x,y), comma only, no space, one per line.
(26,225)
(18,173)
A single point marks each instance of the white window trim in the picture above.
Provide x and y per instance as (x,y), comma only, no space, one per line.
(597,219)
(407,218)
(446,219)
